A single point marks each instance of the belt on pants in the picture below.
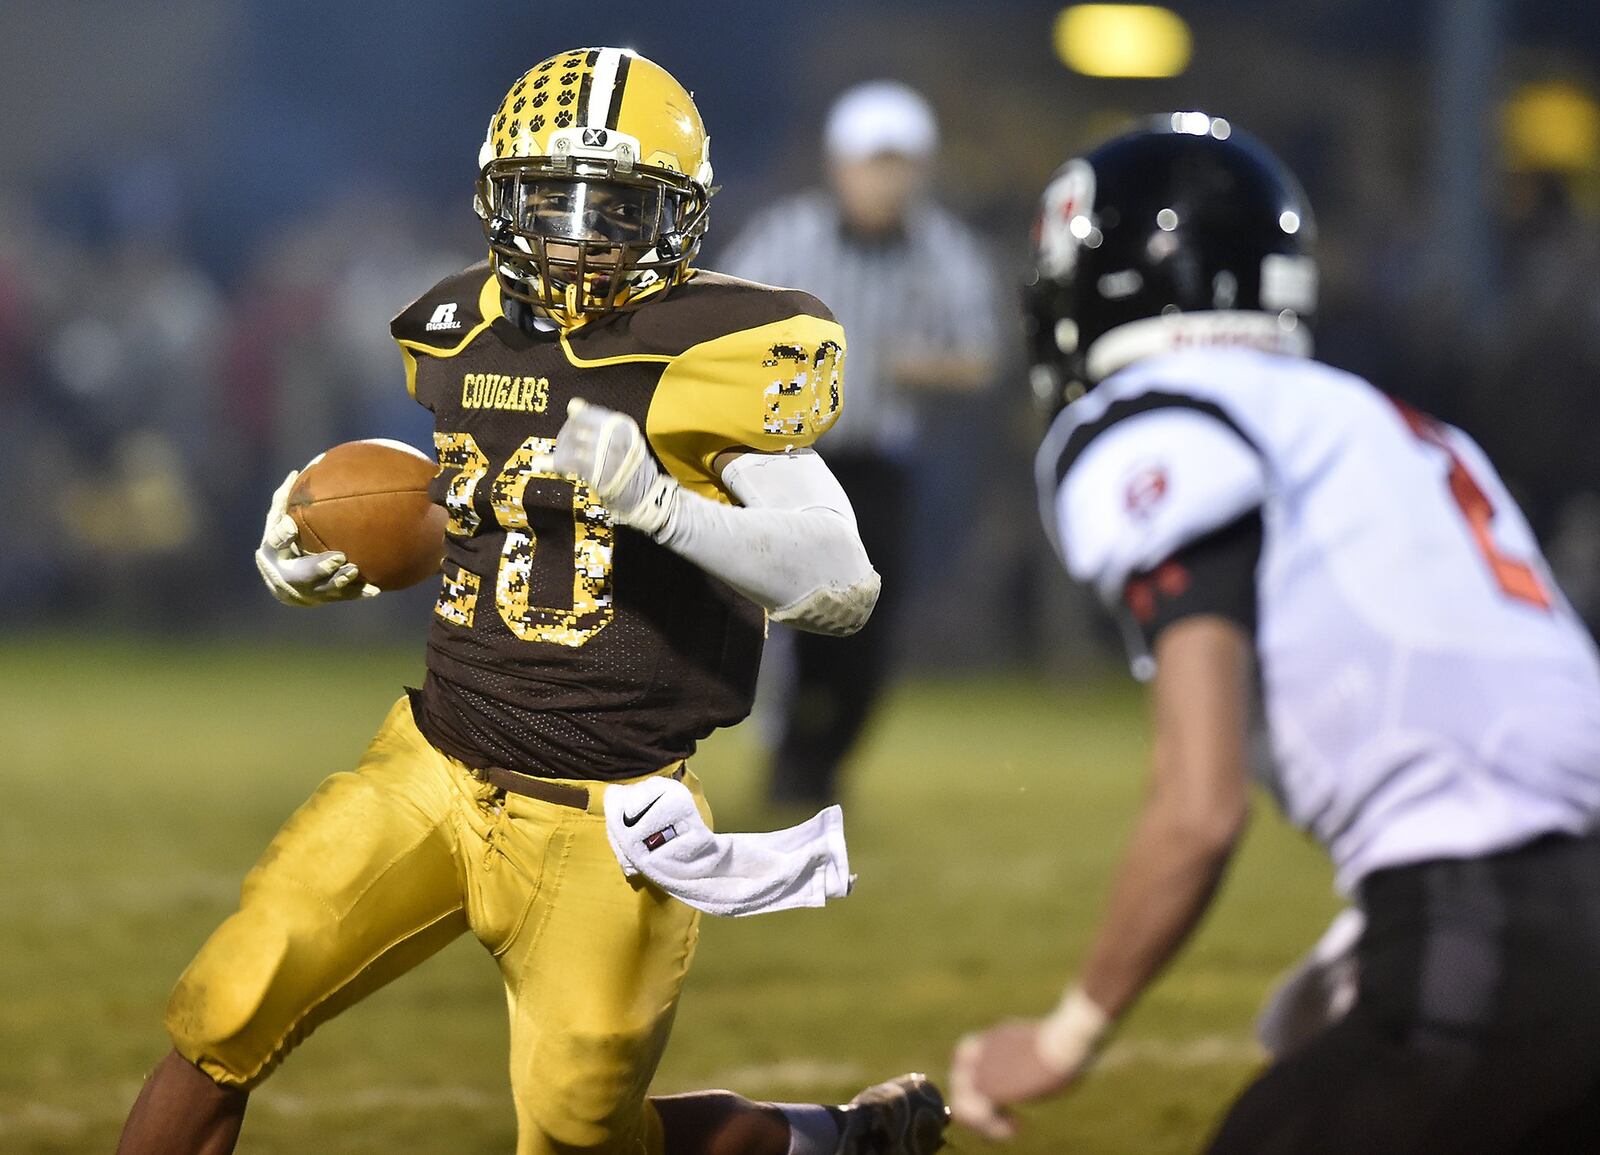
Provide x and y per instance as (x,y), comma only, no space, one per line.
(532,786)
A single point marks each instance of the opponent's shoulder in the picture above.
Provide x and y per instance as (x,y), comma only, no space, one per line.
(1131,394)
(455,307)
(1128,478)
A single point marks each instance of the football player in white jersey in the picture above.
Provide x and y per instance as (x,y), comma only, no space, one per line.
(1434,703)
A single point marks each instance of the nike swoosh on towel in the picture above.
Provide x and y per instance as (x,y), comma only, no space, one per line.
(631,819)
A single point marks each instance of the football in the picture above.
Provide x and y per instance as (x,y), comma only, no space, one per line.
(369,500)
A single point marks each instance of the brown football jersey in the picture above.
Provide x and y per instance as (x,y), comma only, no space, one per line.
(563,644)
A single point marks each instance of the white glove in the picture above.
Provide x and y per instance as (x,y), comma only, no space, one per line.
(608,451)
(295,577)
(1318,992)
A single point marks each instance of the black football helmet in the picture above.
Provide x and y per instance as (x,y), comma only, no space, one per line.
(1183,234)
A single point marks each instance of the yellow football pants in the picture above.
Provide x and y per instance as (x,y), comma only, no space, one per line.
(382,867)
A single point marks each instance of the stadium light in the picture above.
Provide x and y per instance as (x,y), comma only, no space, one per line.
(1124,40)
(1552,126)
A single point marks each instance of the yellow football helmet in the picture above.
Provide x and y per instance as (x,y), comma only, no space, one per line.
(593,184)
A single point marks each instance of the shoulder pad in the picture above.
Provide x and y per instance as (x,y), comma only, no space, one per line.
(440,320)
(772,387)
(707,306)
(1122,494)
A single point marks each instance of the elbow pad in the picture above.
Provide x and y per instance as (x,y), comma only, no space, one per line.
(833,609)
(791,546)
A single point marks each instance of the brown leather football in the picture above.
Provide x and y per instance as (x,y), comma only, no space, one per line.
(369,500)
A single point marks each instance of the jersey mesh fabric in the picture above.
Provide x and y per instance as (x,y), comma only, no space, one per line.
(659,654)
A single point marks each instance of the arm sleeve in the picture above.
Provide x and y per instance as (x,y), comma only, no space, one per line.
(1212,575)
(791,544)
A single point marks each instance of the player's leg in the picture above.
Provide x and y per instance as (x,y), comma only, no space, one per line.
(1351,1089)
(1477,1022)
(904,1116)
(593,964)
(359,886)
(181,1109)
(820,719)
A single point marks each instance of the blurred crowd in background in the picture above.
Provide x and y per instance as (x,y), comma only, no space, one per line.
(210,211)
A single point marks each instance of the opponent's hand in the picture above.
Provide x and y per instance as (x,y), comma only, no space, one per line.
(1318,992)
(608,451)
(1024,1059)
(295,577)
(993,1070)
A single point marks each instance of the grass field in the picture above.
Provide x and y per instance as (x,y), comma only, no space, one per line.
(139,783)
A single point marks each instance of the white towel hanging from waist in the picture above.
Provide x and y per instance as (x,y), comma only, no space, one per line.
(656,830)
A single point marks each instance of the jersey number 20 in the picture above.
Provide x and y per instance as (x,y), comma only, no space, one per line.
(591,608)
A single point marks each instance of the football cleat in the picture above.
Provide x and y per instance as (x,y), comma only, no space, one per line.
(904,1116)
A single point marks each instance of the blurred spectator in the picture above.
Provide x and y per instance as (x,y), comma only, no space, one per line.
(919,304)
(310,362)
(112,346)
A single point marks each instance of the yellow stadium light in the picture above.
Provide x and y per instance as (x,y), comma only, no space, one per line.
(1551,126)
(1128,40)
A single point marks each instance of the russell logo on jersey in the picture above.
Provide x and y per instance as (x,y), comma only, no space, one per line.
(444,317)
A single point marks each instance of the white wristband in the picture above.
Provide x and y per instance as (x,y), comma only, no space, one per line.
(1071,1034)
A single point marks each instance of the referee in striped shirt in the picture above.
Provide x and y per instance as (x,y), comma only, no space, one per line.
(918,300)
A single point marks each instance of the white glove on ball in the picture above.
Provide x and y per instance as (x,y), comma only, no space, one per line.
(295,577)
(608,451)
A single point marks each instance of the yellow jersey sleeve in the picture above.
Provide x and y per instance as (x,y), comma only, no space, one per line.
(772,388)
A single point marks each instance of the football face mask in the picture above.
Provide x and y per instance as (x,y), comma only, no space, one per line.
(586,243)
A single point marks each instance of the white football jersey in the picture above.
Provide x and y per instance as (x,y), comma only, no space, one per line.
(1429,691)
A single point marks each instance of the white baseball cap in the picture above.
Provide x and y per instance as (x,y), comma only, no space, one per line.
(881,116)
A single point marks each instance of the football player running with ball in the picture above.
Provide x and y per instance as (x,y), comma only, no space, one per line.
(623,443)
(1433,701)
